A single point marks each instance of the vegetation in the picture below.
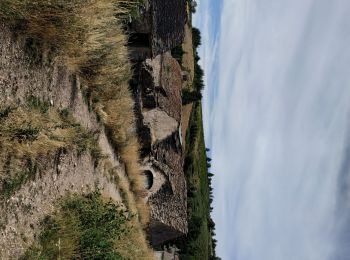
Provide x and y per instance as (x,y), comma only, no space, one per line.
(86,36)
(34,130)
(178,53)
(199,243)
(195,94)
(85,227)
(190,96)
(196,37)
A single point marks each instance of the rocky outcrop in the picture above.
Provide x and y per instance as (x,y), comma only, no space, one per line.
(168,21)
(158,99)
(157,88)
(159,28)
(161,125)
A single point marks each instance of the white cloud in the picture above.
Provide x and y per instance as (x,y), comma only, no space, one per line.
(278,126)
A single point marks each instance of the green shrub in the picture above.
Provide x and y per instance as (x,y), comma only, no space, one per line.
(5,112)
(85,227)
(34,103)
(189,96)
(196,37)
(178,53)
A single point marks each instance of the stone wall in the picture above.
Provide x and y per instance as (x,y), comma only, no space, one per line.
(157,86)
(163,22)
(158,99)
(168,23)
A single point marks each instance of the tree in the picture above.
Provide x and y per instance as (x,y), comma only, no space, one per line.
(189,96)
(196,37)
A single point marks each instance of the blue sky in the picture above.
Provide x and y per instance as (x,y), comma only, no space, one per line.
(276,115)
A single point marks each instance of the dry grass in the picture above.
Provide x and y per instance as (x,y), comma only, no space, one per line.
(134,246)
(88,37)
(35,130)
(76,224)
(188,64)
(30,132)
(188,56)
(135,204)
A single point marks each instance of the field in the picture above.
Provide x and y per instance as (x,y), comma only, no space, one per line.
(198,243)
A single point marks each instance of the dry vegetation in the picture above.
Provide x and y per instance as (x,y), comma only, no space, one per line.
(87,37)
(88,227)
(33,130)
(188,56)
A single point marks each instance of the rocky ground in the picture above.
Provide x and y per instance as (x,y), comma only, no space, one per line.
(65,172)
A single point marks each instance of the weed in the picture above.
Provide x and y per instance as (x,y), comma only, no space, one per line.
(34,103)
(10,184)
(89,39)
(5,112)
(64,113)
(85,227)
(33,130)
(26,133)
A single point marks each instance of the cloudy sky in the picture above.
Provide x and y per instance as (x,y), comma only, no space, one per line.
(277,110)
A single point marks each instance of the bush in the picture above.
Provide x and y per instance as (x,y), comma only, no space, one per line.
(196,37)
(190,96)
(178,53)
(86,227)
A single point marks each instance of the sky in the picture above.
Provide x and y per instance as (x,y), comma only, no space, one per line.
(276,116)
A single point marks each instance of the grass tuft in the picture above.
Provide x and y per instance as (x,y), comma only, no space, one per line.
(89,227)
(33,130)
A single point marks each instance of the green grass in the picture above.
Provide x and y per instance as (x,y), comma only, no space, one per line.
(85,227)
(197,244)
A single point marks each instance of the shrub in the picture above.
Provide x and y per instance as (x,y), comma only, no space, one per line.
(196,37)
(178,53)
(86,227)
(190,96)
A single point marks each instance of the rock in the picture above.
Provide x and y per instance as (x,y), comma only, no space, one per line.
(159,106)
(160,124)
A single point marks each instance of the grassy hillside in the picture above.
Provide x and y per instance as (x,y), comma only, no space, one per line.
(199,243)
(84,227)
(86,37)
